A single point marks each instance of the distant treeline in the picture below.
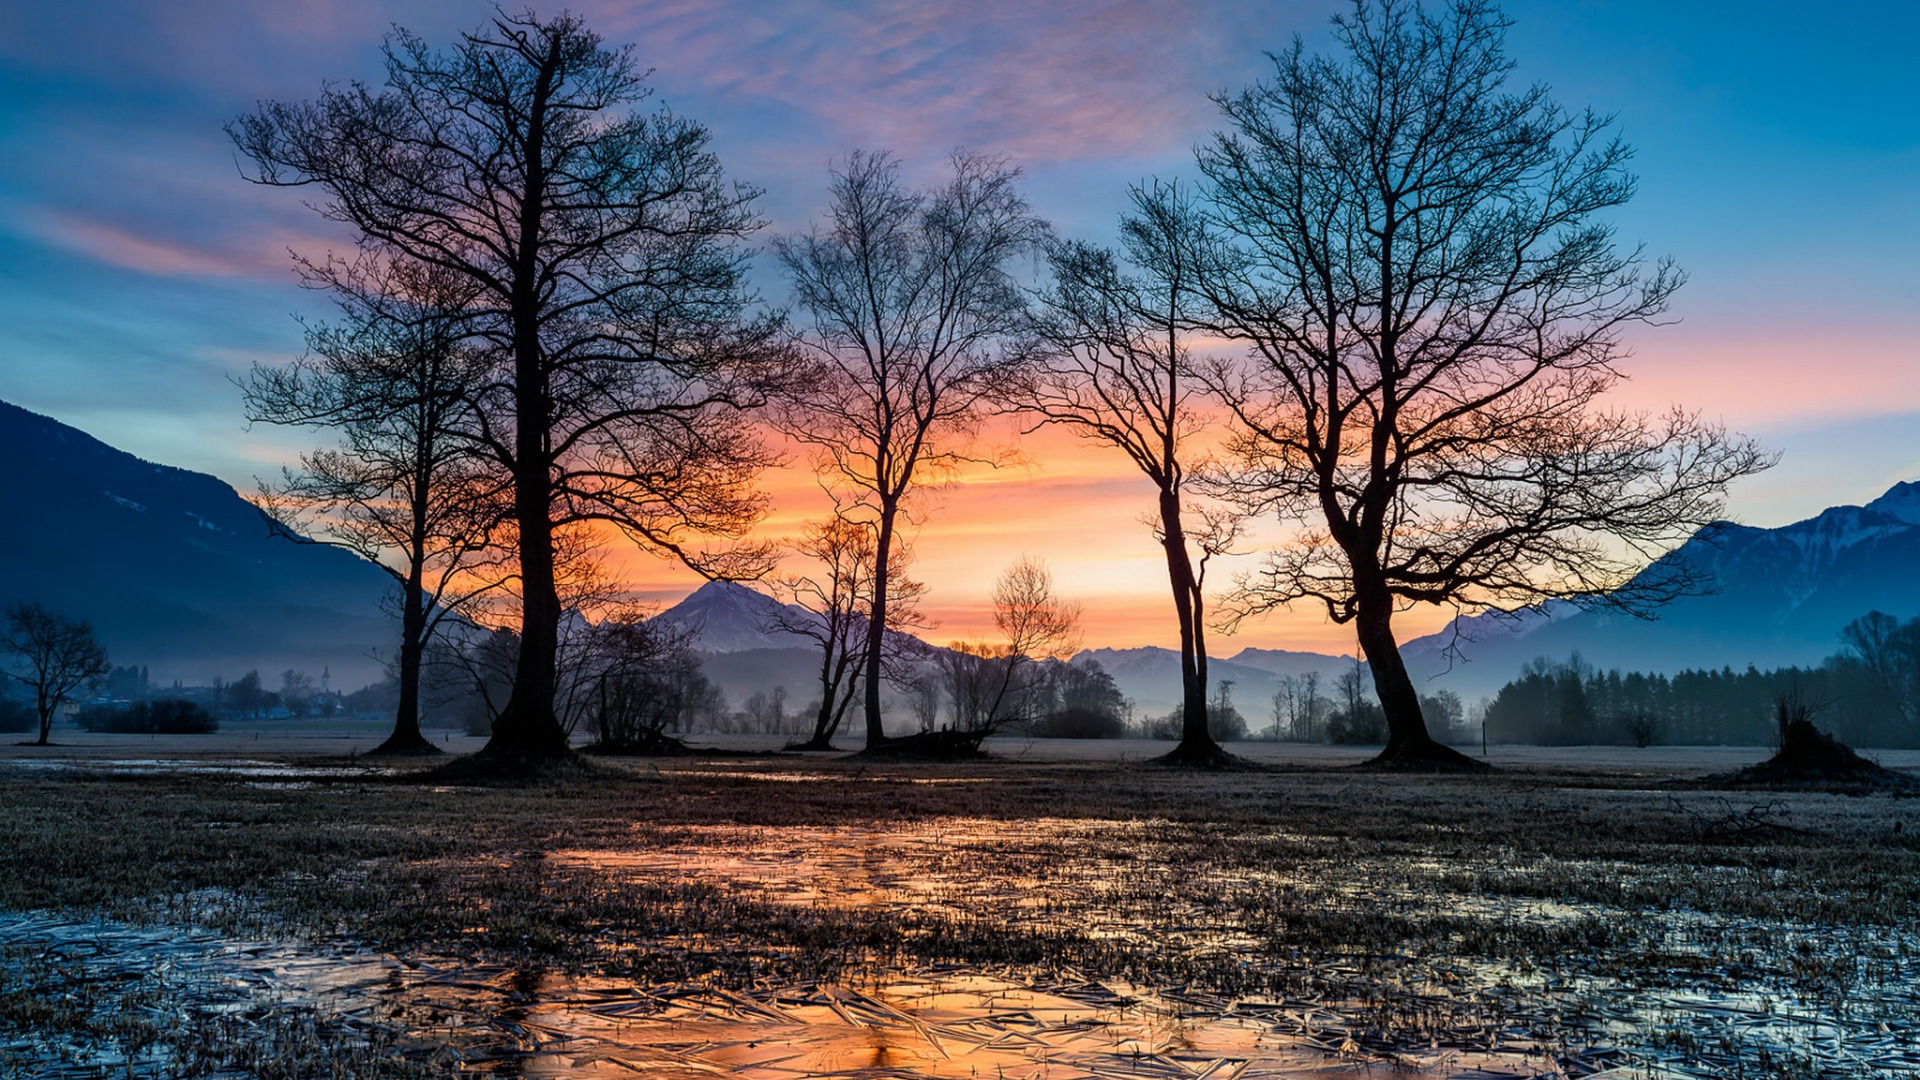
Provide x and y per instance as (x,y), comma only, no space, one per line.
(126,688)
(1866,695)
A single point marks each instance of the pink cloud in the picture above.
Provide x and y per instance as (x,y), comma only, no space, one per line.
(259,255)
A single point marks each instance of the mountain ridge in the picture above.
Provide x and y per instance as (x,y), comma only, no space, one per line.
(1780,597)
(175,570)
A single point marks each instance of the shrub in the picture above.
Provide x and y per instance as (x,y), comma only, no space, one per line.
(1077,723)
(1224,724)
(1364,725)
(165,717)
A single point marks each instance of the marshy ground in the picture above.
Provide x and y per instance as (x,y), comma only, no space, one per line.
(275,913)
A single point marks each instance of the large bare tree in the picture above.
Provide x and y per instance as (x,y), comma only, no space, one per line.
(907,308)
(1432,303)
(403,487)
(51,655)
(604,247)
(1116,370)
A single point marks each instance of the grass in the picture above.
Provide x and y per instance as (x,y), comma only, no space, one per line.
(1566,907)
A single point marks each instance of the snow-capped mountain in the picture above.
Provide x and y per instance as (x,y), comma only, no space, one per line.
(1778,597)
(173,568)
(727,617)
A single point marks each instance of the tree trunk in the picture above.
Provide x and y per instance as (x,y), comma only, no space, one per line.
(46,724)
(527,727)
(877,624)
(824,722)
(822,737)
(406,738)
(1408,744)
(1196,742)
(527,731)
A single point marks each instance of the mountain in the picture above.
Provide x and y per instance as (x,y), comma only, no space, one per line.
(173,568)
(1289,662)
(727,617)
(1150,675)
(1777,597)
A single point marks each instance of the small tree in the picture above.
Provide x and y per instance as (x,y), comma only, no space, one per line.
(907,307)
(923,694)
(1432,305)
(991,686)
(835,601)
(632,682)
(1224,722)
(1642,725)
(1086,703)
(1890,652)
(51,656)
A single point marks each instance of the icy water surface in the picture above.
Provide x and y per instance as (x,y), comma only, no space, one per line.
(939,1022)
(969,1022)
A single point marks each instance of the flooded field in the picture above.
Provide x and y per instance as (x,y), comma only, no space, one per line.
(775,919)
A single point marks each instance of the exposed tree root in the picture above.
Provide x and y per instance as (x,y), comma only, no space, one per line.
(928,746)
(1423,756)
(415,745)
(1206,756)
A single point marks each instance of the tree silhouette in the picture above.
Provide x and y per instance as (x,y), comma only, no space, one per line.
(1431,307)
(52,656)
(993,685)
(1115,369)
(603,248)
(835,600)
(907,307)
(403,488)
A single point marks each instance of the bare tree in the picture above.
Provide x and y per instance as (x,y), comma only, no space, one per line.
(907,307)
(1115,369)
(52,656)
(631,681)
(992,686)
(1642,725)
(1890,651)
(1432,308)
(1309,707)
(835,601)
(923,692)
(603,247)
(402,488)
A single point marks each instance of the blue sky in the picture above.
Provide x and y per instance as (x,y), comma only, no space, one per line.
(1778,149)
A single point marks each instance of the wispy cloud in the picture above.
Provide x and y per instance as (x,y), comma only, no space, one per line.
(1065,81)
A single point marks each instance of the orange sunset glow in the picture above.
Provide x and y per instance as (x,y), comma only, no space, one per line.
(1077,504)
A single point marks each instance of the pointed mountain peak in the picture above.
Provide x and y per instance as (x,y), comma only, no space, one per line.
(726,616)
(1901,501)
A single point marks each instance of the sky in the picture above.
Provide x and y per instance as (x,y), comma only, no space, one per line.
(1777,149)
